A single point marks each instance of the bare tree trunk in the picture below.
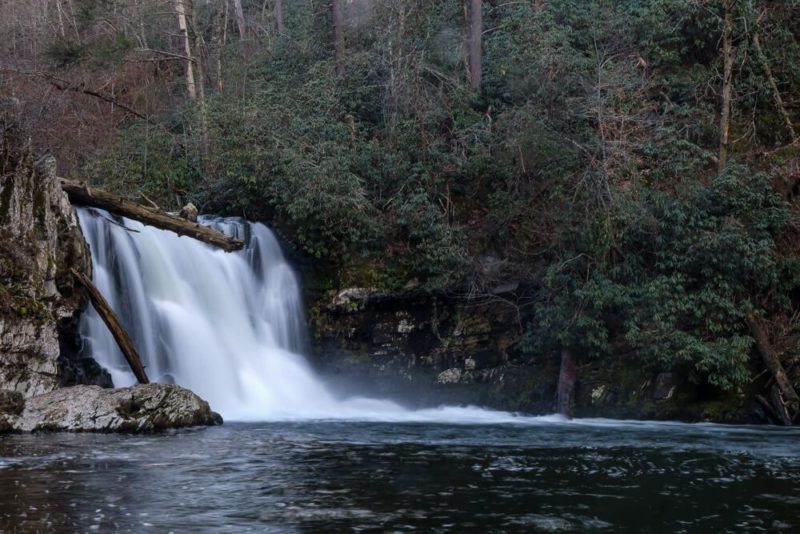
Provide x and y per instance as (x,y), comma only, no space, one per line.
(776,94)
(219,38)
(201,86)
(61,19)
(475,42)
(397,68)
(566,384)
(338,35)
(180,10)
(279,16)
(239,12)
(784,397)
(727,85)
(779,404)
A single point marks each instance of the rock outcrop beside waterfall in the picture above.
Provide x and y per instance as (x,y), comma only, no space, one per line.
(39,241)
(40,306)
(427,349)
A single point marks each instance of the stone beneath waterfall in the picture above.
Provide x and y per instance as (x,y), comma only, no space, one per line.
(141,408)
(188,212)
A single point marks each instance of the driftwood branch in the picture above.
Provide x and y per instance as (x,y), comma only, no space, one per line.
(115,326)
(83,195)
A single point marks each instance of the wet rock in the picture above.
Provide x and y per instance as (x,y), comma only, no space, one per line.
(6,425)
(141,408)
(11,403)
(449,376)
(666,384)
(599,393)
(351,299)
(188,212)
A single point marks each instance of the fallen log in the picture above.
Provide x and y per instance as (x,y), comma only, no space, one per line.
(115,326)
(784,393)
(82,195)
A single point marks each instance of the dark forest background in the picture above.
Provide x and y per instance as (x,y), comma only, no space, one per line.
(623,173)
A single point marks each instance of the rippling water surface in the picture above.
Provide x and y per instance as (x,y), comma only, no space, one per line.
(541,475)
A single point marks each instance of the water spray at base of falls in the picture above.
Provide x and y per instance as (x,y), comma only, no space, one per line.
(228,326)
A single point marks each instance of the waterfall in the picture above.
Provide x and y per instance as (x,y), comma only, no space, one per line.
(228,326)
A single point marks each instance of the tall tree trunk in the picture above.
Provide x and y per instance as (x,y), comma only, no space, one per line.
(566,383)
(201,88)
(279,16)
(240,23)
(219,37)
(727,85)
(180,11)
(475,44)
(338,35)
(776,94)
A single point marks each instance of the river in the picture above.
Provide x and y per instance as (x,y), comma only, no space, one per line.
(535,475)
(231,327)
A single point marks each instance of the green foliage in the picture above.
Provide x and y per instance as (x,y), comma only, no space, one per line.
(586,162)
(145,160)
(64,52)
(712,259)
(693,265)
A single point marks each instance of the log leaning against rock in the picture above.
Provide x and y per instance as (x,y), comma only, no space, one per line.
(83,195)
(115,326)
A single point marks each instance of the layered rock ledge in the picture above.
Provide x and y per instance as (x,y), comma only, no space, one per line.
(427,349)
(137,409)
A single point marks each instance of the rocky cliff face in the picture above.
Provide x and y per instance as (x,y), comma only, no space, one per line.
(39,241)
(424,349)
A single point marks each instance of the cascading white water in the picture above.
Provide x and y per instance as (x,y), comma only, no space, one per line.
(228,326)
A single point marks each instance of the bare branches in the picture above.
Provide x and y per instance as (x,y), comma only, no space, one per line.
(79,87)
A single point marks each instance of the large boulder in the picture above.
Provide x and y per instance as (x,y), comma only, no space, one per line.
(141,408)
